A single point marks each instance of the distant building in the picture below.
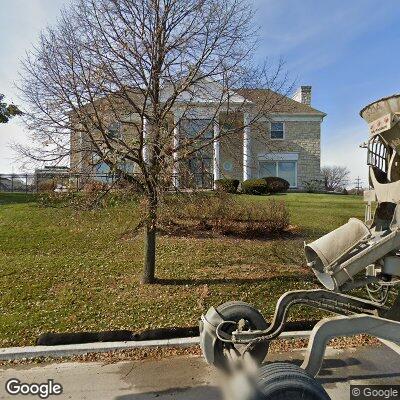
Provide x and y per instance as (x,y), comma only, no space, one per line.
(52,170)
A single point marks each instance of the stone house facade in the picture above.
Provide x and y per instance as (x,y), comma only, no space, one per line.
(284,142)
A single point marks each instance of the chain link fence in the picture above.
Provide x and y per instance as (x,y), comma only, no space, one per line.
(66,181)
(43,182)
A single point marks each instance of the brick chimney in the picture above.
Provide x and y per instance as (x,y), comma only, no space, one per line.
(303,95)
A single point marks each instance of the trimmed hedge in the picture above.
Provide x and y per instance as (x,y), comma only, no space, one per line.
(255,186)
(227,185)
(276,185)
(268,185)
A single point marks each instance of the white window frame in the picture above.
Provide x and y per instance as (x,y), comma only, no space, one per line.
(283,128)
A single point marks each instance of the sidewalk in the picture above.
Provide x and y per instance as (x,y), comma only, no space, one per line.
(190,378)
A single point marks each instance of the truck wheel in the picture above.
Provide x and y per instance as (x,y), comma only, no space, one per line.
(282,381)
(235,311)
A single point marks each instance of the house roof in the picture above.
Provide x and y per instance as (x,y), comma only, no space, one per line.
(277,103)
(269,101)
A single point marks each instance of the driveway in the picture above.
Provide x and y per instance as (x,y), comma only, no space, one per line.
(189,378)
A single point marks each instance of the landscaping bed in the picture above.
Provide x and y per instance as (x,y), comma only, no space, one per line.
(63,269)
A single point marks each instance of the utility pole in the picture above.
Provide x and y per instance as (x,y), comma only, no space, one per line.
(358,183)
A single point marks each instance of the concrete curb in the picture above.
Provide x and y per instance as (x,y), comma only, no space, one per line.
(16,353)
(391,345)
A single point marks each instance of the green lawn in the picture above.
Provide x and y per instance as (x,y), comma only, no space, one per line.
(317,214)
(66,270)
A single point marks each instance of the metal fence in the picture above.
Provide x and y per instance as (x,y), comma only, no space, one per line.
(63,181)
(51,181)
(17,183)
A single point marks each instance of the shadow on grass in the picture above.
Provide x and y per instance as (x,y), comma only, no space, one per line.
(199,233)
(16,198)
(235,281)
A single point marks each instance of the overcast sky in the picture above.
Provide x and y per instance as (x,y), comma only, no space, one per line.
(346,50)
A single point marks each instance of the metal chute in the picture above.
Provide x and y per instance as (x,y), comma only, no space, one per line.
(324,254)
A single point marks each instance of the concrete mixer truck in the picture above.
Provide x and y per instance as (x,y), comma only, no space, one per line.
(357,255)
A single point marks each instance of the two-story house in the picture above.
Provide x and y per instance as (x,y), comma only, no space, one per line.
(285,142)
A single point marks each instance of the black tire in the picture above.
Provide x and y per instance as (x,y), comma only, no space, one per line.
(235,311)
(284,381)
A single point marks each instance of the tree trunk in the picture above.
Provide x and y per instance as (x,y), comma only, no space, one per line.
(150,245)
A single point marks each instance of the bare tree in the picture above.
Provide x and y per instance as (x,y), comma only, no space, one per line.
(122,76)
(335,177)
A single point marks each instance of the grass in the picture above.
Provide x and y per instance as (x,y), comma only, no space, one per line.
(65,270)
(317,214)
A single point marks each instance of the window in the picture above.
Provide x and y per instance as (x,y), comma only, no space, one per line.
(102,168)
(114,130)
(126,166)
(228,166)
(283,169)
(276,130)
(229,127)
(198,128)
(267,168)
(287,171)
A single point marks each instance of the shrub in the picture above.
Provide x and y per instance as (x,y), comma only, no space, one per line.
(94,194)
(313,185)
(195,209)
(270,184)
(256,220)
(46,186)
(276,185)
(254,186)
(222,214)
(227,185)
(123,185)
(94,187)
